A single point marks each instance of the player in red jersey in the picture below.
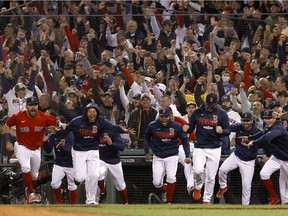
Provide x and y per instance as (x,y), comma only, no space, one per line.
(30,125)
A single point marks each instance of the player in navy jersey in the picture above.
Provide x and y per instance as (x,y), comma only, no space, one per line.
(212,124)
(85,152)
(63,165)
(109,146)
(242,157)
(162,137)
(276,135)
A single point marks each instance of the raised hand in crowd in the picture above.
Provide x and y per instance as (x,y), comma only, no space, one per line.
(234,91)
(257,83)
(241,85)
(217,78)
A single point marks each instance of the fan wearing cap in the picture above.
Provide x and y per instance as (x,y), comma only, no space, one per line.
(16,97)
(276,135)
(87,130)
(212,125)
(242,157)
(234,117)
(140,118)
(275,8)
(164,35)
(30,126)
(162,137)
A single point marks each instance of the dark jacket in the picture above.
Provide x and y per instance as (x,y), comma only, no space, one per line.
(205,123)
(276,136)
(242,151)
(139,121)
(110,153)
(163,140)
(63,155)
(86,134)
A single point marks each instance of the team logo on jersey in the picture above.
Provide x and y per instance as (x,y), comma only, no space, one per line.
(91,132)
(215,119)
(165,134)
(16,101)
(94,129)
(208,123)
(171,132)
(38,128)
(24,129)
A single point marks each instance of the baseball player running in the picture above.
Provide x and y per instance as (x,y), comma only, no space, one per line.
(188,169)
(276,135)
(85,152)
(242,157)
(30,125)
(109,147)
(162,137)
(63,165)
(211,123)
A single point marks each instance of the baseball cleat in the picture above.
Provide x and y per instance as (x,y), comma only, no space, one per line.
(191,190)
(206,203)
(33,198)
(102,198)
(164,197)
(274,201)
(221,192)
(197,194)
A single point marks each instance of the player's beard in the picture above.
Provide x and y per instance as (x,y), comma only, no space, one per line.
(247,126)
(164,122)
(226,108)
(32,112)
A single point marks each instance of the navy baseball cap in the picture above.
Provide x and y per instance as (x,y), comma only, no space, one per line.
(274,104)
(247,116)
(268,114)
(225,98)
(212,99)
(165,111)
(137,96)
(32,101)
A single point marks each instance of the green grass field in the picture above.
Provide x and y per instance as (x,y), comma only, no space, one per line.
(176,209)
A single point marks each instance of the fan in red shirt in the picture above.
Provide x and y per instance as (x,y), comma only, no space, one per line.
(30,125)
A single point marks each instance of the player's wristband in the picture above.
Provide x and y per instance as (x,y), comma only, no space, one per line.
(7,137)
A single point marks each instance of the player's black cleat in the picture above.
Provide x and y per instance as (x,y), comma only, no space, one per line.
(102,197)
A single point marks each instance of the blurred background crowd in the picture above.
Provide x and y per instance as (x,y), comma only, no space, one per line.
(132,57)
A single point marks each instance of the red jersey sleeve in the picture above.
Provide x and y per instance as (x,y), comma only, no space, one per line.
(12,120)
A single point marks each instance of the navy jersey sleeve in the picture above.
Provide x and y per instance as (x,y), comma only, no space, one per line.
(192,122)
(235,127)
(50,143)
(117,142)
(226,130)
(268,137)
(107,125)
(257,135)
